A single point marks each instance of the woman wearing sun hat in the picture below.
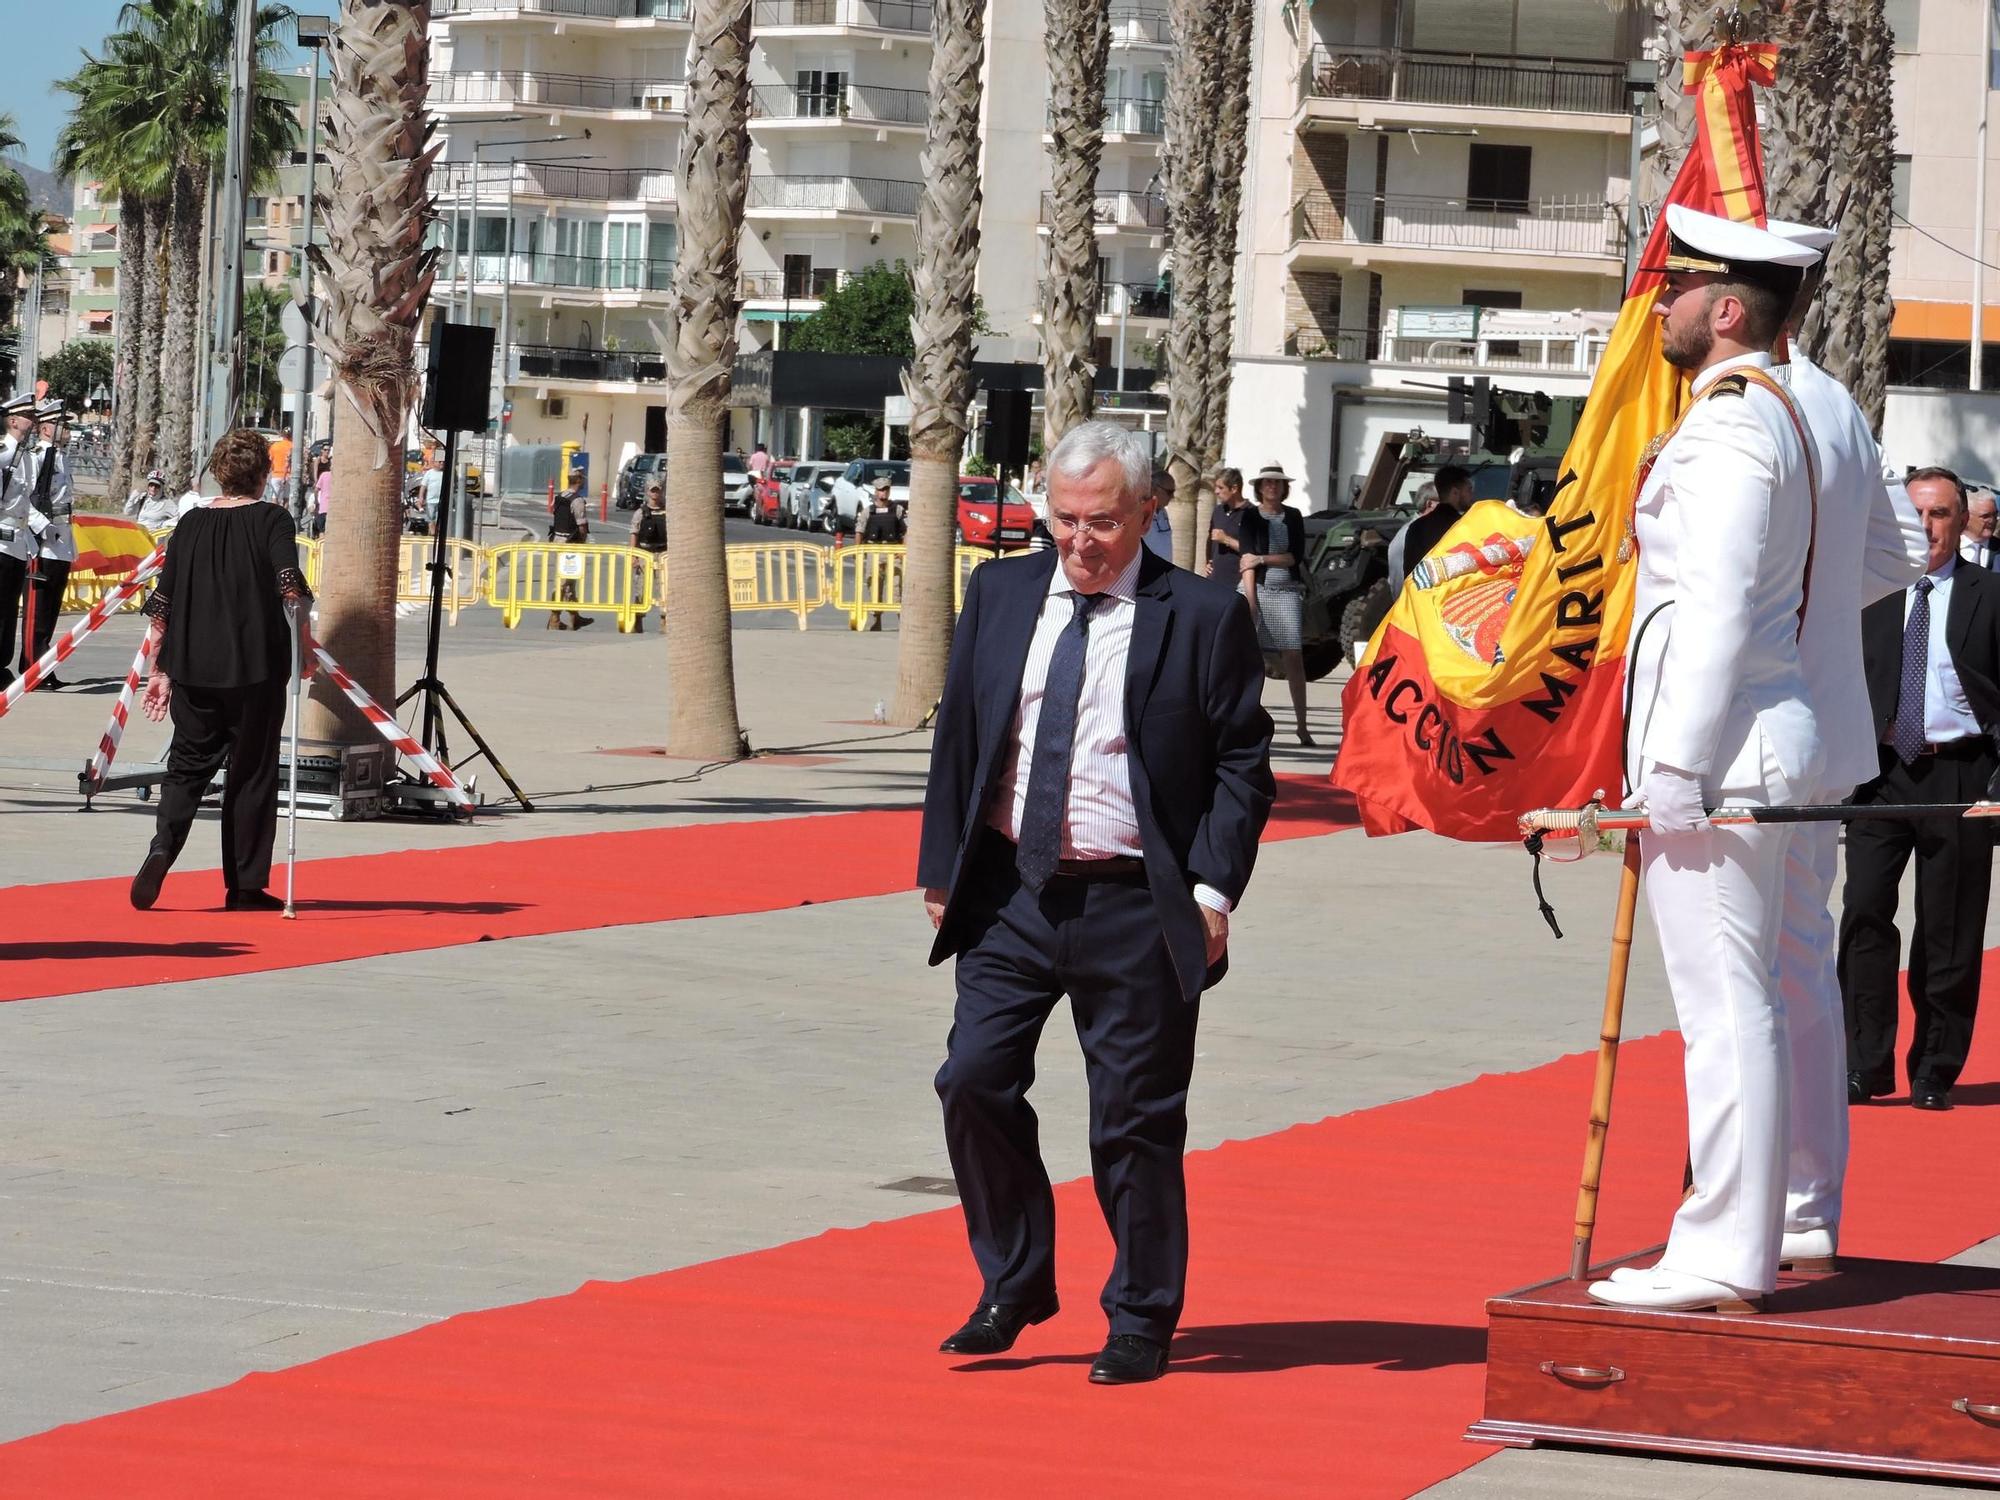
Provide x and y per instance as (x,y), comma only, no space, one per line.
(1274,548)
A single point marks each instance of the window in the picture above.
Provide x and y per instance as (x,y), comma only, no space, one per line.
(1899,188)
(259,207)
(1496,179)
(1901,16)
(660,245)
(822,93)
(798,276)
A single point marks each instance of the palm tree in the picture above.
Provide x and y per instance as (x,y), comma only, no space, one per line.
(374,275)
(939,380)
(1684,26)
(23,236)
(1852,337)
(713,181)
(1079,46)
(1231,138)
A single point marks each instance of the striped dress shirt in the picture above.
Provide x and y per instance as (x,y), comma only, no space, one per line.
(1099,820)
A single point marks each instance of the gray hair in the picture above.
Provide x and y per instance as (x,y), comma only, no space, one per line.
(1089,444)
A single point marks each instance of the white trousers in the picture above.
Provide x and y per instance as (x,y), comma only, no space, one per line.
(1716,898)
(1815,1028)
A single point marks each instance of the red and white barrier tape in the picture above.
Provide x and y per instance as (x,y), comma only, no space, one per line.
(386,726)
(107,748)
(65,648)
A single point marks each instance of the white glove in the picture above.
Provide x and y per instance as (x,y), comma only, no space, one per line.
(1672,800)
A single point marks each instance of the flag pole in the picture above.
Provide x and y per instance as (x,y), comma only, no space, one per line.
(1608,1033)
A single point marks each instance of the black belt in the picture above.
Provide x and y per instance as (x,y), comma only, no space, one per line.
(1112,867)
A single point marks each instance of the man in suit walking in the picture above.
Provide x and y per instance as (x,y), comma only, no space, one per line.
(1932,655)
(1099,780)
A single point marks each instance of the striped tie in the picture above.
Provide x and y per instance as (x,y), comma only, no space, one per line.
(1055,738)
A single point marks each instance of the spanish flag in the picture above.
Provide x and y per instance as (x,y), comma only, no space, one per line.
(1496,681)
(111,546)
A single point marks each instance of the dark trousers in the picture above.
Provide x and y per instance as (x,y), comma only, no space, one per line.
(47,586)
(1954,873)
(1099,942)
(239,726)
(13,585)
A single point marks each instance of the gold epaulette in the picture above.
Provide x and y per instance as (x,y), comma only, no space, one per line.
(1730,385)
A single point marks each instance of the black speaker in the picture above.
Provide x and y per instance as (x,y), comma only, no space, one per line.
(1005,436)
(458,384)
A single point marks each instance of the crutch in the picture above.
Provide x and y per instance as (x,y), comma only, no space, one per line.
(292,801)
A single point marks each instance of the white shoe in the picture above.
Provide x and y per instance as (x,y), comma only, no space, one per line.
(1634,1273)
(1670,1291)
(1808,1249)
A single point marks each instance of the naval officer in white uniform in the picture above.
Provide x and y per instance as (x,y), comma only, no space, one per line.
(17,541)
(1720,712)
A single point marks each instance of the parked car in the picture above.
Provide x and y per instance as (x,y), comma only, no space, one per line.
(640,470)
(986,520)
(739,485)
(808,498)
(771,490)
(854,490)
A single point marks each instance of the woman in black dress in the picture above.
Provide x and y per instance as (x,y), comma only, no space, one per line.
(221,665)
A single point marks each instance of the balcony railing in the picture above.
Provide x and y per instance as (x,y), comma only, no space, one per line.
(1141,24)
(533,179)
(1464,79)
(790,286)
(1589,228)
(849,195)
(552,362)
(591,273)
(599,10)
(1132,299)
(1120,209)
(1575,351)
(874,15)
(572,90)
(864,103)
(1135,116)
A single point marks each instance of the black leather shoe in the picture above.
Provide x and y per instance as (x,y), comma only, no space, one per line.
(1128,1359)
(251,901)
(1927,1095)
(1859,1090)
(146,884)
(994,1326)
(50,684)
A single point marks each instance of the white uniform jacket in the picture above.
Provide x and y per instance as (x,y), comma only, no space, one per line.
(1870,544)
(1724,523)
(17,540)
(50,518)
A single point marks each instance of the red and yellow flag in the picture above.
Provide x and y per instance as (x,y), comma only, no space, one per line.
(1496,682)
(108,544)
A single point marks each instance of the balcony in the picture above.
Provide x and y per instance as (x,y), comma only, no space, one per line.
(1364,229)
(826,197)
(562,91)
(1121,299)
(909,17)
(1141,26)
(1135,116)
(532,179)
(790,286)
(1120,209)
(533,362)
(545,271)
(1467,338)
(1464,80)
(858,104)
(568,10)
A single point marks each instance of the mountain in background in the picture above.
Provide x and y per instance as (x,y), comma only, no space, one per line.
(45,190)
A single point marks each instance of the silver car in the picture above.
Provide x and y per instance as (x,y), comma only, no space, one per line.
(806,495)
(739,485)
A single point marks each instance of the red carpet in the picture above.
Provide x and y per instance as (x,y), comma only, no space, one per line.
(87,937)
(1332,1343)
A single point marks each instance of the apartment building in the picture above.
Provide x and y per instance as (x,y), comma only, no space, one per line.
(565,118)
(92,263)
(1435,188)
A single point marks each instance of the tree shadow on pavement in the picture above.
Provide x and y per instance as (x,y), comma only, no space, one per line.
(1260,1348)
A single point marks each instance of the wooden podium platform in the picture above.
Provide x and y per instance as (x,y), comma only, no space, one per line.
(1885,1366)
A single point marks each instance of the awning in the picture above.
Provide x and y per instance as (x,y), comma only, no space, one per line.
(776,314)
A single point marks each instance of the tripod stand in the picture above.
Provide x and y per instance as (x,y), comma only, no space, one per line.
(430,685)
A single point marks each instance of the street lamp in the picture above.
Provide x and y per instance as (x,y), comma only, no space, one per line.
(1642,78)
(314,33)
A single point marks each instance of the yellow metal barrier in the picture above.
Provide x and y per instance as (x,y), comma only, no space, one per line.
(309,561)
(81,591)
(867,580)
(785,576)
(534,575)
(462,582)
(967,559)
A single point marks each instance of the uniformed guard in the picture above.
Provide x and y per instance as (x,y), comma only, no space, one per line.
(49,508)
(17,541)
(1719,712)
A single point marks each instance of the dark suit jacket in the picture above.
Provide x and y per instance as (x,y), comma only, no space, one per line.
(1423,534)
(1199,741)
(1971,634)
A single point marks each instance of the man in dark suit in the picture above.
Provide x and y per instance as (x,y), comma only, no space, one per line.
(1932,656)
(1099,780)
(1454,498)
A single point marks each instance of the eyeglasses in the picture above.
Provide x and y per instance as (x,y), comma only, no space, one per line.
(1103,528)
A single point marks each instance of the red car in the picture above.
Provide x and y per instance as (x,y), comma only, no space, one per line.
(985,521)
(769,509)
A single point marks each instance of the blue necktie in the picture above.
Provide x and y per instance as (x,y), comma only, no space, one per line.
(1906,738)
(1055,738)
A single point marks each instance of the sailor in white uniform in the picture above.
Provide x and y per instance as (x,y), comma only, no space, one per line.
(17,542)
(50,504)
(1720,712)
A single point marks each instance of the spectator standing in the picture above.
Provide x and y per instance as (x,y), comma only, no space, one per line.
(1160,530)
(1225,528)
(1032,482)
(881,527)
(1399,562)
(1421,537)
(649,530)
(151,506)
(1978,544)
(760,461)
(322,495)
(221,664)
(1274,546)
(566,525)
(1931,653)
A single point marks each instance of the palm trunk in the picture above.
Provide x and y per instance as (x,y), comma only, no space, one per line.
(1231,145)
(374,276)
(939,380)
(1685,26)
(1194,94)
(183,310)
(146,356)
(1079,46)
(713,181)
(1860,308)
(125,333)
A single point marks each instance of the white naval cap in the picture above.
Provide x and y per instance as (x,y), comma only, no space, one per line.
(1702,242)
(1809,235)
(51,410)
(19,405)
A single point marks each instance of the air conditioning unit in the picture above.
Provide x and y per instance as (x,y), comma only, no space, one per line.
(555,406)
